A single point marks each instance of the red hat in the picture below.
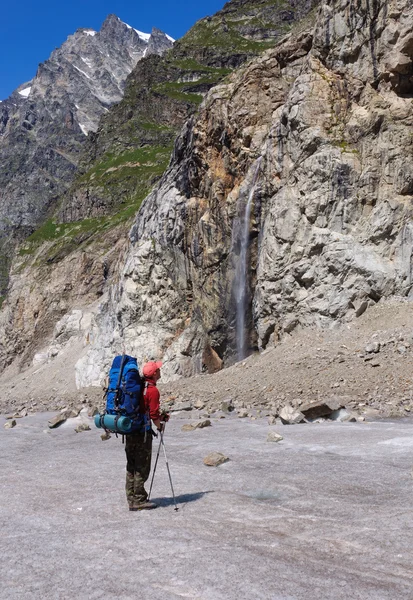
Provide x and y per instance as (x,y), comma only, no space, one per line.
(150,368)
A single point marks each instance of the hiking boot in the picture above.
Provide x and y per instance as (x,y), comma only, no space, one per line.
(145,506)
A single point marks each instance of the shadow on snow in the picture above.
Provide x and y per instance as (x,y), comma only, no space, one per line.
(180,500)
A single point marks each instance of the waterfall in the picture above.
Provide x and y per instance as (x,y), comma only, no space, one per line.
(241,283)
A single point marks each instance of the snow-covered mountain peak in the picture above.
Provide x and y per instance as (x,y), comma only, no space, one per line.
(44,122)
(143,36)
(98,62)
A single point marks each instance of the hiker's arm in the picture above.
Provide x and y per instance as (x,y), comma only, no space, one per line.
(160,423)
(153,396)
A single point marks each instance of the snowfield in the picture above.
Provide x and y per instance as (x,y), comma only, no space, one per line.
(324,514)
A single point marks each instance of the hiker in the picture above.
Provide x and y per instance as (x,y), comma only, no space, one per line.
(138,445)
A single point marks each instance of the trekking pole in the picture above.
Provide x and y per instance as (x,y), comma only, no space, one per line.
(154,469)
(167,466)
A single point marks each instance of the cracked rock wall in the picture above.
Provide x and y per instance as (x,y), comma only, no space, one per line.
(330,111)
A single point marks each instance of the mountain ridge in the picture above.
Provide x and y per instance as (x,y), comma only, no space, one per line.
(44,123)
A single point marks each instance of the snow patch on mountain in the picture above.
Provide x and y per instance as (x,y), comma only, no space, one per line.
(90,32)
(143,36)
(25,93)
(80,71)
(87,61)
(83,128)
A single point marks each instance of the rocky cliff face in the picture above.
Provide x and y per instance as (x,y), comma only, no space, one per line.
(117,167)
(162,93)
(324,119)
(306,149)
(44,123)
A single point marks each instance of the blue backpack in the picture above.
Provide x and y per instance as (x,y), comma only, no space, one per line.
(125,412)
(125,387)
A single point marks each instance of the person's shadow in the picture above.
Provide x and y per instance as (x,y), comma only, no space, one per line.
(181,500)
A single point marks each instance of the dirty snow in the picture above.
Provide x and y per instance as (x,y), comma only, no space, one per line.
(276,522)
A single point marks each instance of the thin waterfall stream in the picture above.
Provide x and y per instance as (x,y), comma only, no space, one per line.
(241,276)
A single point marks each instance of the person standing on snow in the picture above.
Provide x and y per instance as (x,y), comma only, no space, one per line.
(138,445)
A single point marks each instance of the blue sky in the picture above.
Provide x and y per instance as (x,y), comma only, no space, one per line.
(29,31)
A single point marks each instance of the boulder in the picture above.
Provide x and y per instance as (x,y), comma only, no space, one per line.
(57,420)
(211,361)
(360,308)
(291,416)
(66,413)
(242,413)
(342,415)
(188,427)
(372,348)
(227,406)
(215,459)
(92,411)
(82,427)
(181,406)
(10,424)
(204,423)
(323,408)
(273,436)
(72,413)
(197,425)
(199,404)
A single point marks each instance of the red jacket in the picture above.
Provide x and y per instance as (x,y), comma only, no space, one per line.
(151,399)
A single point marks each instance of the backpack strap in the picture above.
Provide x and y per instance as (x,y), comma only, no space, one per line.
(116,399)
(144,387)
(145,410)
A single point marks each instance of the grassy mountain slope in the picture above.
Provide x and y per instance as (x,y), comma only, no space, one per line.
(163,92)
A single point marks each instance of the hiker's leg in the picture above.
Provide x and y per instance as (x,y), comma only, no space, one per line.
(129,488)
(130,449)
(142,468)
